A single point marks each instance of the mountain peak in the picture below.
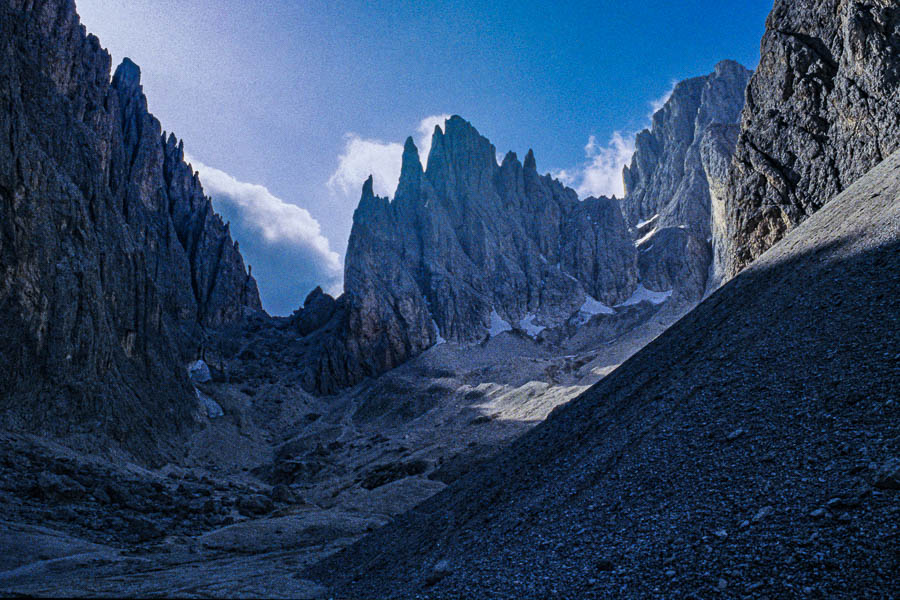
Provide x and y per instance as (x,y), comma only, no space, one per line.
(411,163)
(128,75)
(530,163)
(730,65)
(510,158)
(410,170)
(459,144)
(456,128)
(368,189)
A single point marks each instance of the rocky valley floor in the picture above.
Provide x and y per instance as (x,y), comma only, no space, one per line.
(282,479)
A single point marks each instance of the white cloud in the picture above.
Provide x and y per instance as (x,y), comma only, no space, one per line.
(382,160)
(361,158)
(601,173)
(275,219)
(281,240)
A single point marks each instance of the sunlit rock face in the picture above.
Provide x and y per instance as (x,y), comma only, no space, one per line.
(667,176)
(717,151)
(673,197)
(464,245)
(467,236)
(822,109)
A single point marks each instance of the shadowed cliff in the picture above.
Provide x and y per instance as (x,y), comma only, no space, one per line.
(112,261)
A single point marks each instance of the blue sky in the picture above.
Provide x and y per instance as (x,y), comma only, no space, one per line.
(283,105)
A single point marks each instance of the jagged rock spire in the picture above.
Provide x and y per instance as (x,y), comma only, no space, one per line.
(410,171)
(411,163)
(127,76)
(530,163)
(368,189)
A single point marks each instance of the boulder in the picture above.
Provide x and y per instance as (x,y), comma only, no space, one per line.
(199,372)
(210,407)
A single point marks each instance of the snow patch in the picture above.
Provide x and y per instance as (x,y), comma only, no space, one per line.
(440,340)
(592,307)
(530,328)
(647,237)
(643,224)
(498,325)
(642,294)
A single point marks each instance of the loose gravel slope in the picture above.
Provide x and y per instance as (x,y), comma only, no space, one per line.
(752,450)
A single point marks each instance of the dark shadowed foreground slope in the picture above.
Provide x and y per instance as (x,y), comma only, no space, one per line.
(752,449)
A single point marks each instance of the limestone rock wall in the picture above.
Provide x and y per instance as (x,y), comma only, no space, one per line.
(822,109)
(673,199)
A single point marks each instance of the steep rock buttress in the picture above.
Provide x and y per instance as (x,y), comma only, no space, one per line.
(112,261)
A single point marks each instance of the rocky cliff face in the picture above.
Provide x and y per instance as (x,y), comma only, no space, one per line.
(112,261)
(472,241)
(822,109)
(666,179)
(671,187)
(468,248)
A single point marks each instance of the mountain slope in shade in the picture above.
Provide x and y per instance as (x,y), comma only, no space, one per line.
(752,448)
(112,261)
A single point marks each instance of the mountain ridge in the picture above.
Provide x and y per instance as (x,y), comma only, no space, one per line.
(468,246)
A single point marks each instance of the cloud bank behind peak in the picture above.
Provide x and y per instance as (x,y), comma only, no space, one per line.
(362,157)
(282,241)
(600,174)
